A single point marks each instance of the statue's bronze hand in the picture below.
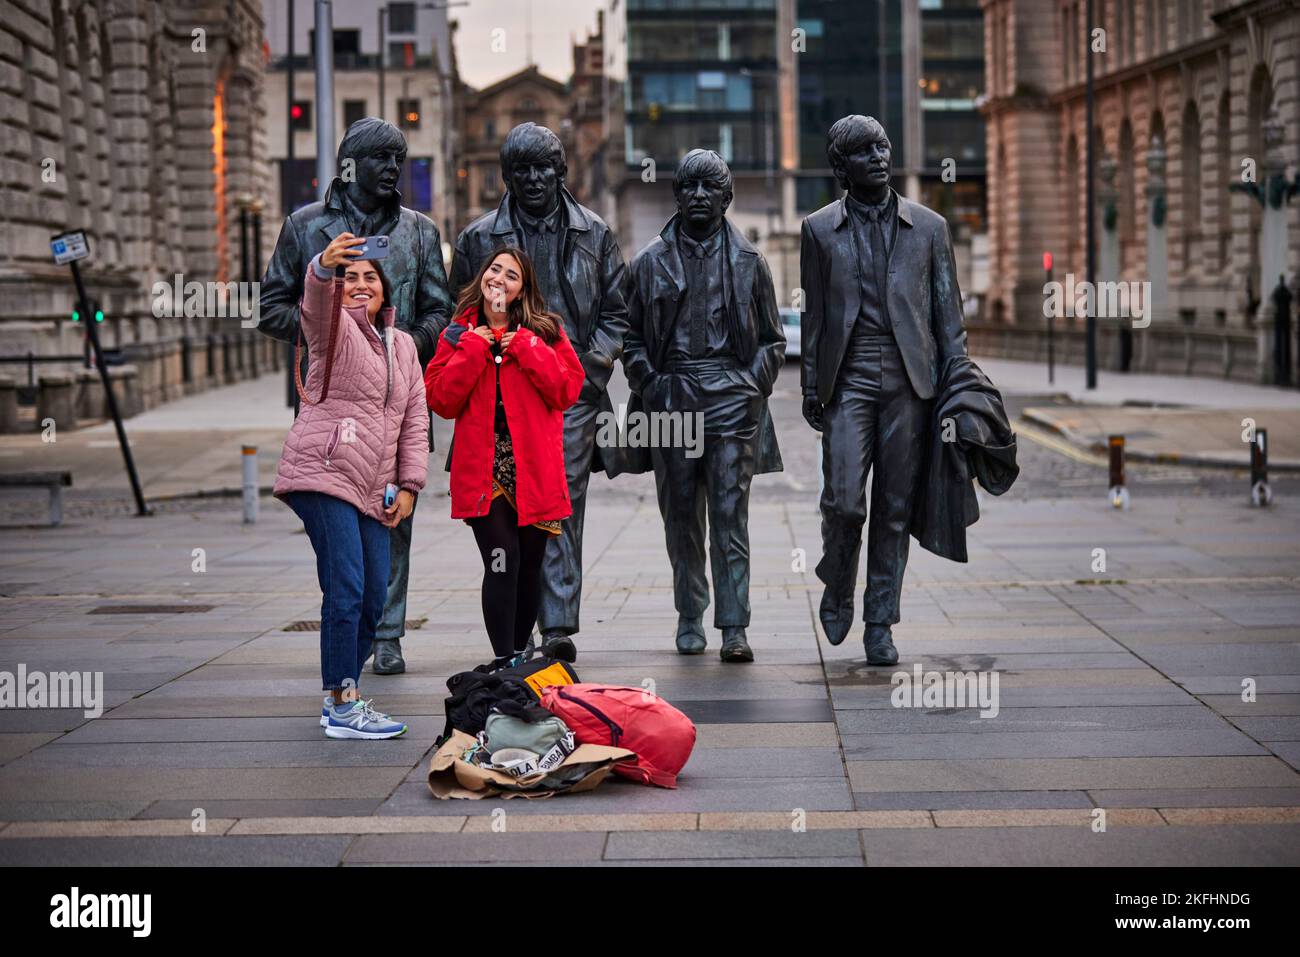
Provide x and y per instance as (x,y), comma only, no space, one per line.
(812,413)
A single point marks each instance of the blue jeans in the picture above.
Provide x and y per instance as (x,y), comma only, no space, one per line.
(352,567)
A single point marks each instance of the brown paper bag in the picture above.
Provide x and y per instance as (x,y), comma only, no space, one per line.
(450,777)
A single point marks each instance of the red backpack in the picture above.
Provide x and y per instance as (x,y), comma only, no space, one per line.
(632,718)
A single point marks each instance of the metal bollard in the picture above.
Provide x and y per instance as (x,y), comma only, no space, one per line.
(1118,493)
(1261,495)
(250,484)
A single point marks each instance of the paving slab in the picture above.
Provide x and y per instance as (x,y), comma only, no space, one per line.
(1227,846)
(195,851)
(734,845)
(484,848)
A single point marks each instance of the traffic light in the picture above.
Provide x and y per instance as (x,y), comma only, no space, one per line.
(96,309)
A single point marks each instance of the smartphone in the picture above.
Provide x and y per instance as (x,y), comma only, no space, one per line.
(375,247)
(390,495)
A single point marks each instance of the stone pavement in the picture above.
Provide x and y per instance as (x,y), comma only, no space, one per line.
(1120,688)
(1188,436)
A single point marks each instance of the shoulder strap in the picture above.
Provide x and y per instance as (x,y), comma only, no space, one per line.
(336,303)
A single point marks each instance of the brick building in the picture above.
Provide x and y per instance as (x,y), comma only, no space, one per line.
(1184,92)
(485,116)
(142,123)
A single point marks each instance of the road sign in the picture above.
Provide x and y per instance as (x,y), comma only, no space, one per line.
(69,247)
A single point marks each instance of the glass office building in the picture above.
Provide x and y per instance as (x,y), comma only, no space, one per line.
(701,73)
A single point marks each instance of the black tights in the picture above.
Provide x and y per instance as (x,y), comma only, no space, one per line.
(512,575)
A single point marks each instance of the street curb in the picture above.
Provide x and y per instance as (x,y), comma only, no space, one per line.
(1156,458)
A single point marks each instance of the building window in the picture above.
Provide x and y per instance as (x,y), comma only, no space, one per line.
(401,18)
(300,115)
(353,110)
(408,114)
(1191,173)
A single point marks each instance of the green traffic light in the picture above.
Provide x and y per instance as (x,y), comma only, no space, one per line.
(99,315)
(76,316)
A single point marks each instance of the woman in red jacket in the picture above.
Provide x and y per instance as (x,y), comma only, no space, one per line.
(505,371)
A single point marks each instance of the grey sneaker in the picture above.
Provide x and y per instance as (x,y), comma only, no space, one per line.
(357,719)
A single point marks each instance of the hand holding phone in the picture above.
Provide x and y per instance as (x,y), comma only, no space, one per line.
(373,247)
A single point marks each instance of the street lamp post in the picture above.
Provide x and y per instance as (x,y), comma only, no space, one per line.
(1090,321)
(324,96)
(383,12)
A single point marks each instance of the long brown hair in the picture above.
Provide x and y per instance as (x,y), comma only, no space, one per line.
(528,310)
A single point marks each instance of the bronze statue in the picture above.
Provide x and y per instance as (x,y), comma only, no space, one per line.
(580,273)
(882,318)
(704,342)
(363,200)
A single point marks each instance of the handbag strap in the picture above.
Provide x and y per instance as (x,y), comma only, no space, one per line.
(336,303)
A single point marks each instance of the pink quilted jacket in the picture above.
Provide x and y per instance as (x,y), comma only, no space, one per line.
(373,427)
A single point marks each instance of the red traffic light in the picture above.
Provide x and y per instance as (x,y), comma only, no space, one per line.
(1047,262)
(295,111)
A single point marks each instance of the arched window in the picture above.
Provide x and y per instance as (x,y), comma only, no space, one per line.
(1225,174)
(1073,192)
(1192,217)
(1126,185)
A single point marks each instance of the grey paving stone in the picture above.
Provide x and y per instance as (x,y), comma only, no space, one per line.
(1288,751)
(231,808)
(1270,729)
(770,762)
(1047,744)
(321,753)
(747,862)
(1263,705)
(1011,696)
(1265,684)
(1199,846)
(71,810)
(191,851)
(488,848)
(731,845)
(295,706)
(742,711)
(1199,797)
(969,800)
(1235,658)
(1081,718)
(77,784)
(617,796)
(1010,774)
(247,730)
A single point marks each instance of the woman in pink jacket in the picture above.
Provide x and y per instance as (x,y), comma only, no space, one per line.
(353,462)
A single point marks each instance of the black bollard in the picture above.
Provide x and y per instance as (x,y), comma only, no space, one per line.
(1261,494)
(1118,493)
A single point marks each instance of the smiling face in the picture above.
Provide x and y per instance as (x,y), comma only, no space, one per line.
(502,283)
(535,184)
(702,202)
(363,287)
(869,166)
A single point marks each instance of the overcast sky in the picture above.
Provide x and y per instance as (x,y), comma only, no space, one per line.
(555,24)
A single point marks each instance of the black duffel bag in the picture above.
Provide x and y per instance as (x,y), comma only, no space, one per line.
(515,691)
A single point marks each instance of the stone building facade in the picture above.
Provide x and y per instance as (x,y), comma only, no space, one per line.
(142,123)
(485,116)
(1188,95)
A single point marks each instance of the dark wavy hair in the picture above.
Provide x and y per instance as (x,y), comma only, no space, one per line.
(528,310)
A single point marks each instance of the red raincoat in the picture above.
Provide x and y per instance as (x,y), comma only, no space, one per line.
(538,382)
